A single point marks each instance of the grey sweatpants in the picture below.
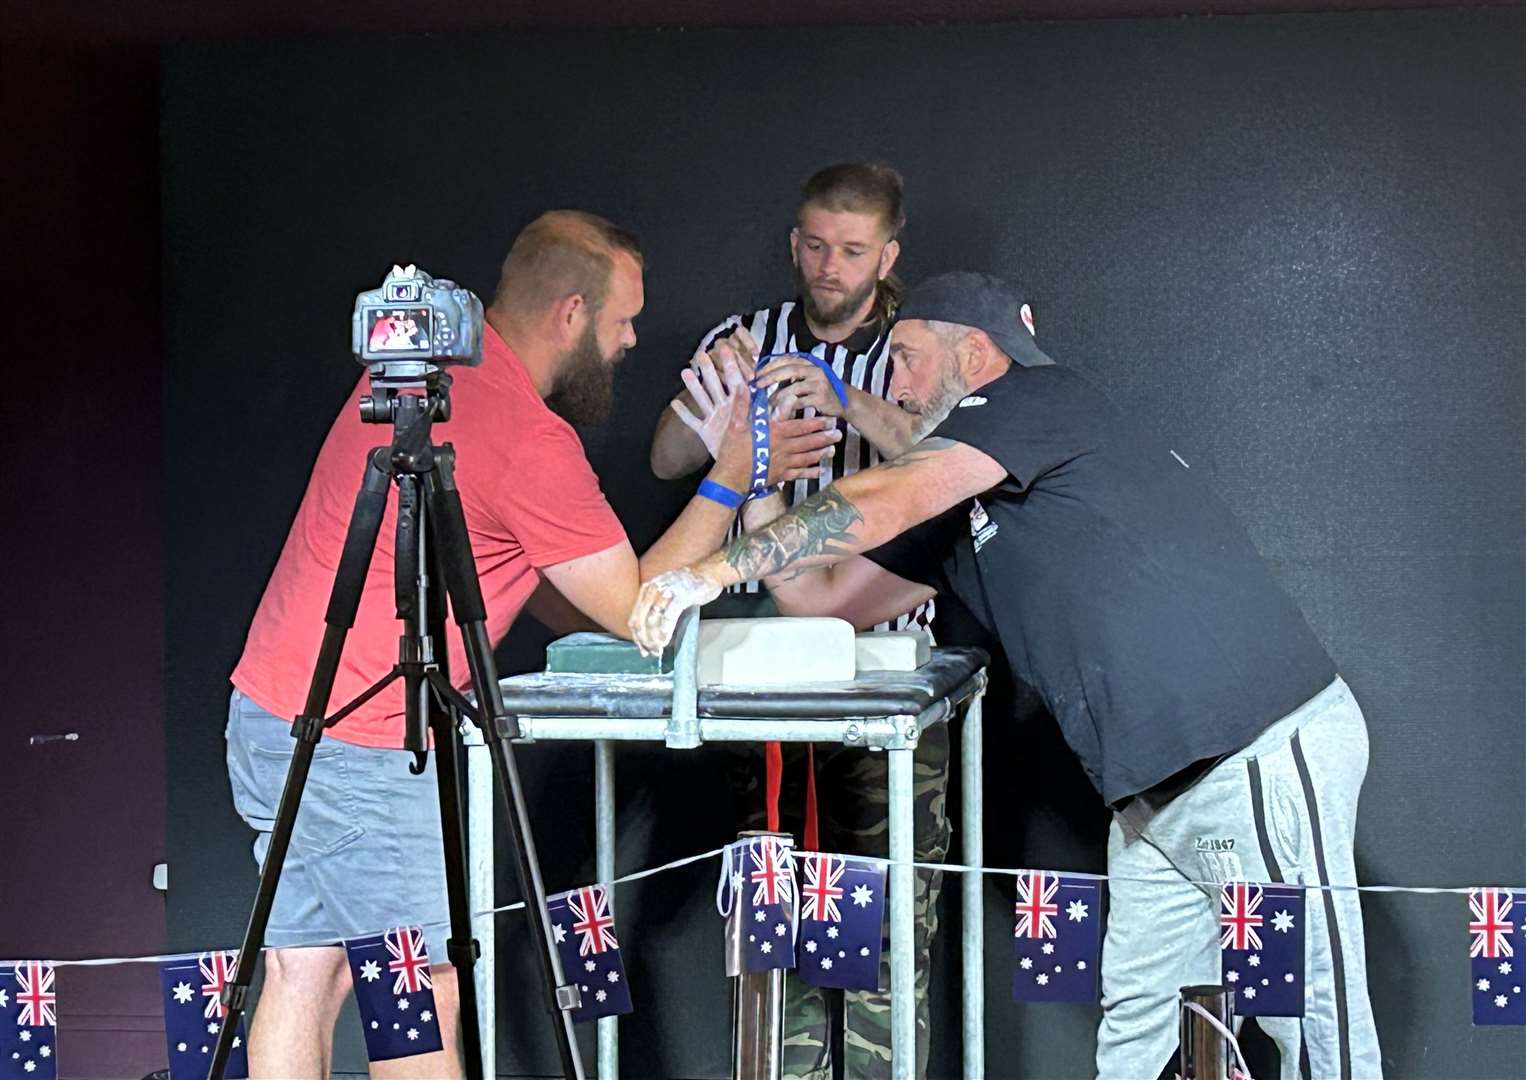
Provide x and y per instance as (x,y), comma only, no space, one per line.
(1282,809)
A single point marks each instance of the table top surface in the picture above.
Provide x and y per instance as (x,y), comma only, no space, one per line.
(873,693)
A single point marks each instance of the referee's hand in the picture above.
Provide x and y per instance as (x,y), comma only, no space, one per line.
(808,382)
(737,348)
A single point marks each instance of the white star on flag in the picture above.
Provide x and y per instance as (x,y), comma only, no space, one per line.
(863,950)
(413,1033)
(600,995)
(832,932)
(1231,976)
(1501,1000)
(4,999)
(614,976)
(402,1003)
(779,930)
(862,895)
(370,971)
(1076,911)
(1282,922)
(26,1036)
(1250,992)
(767,947)
(237,1042)
(183,993)
(1080,965)
(559,932)
(589,965)
(810,946)
(1042,979)
(426,1016)
(759,915)
(212,1027)
(46,1051)
(1483,984)
(1254,960)
(1288,977)
(30,1066)
(180,1046)
(1504,970)
(1048,948)
(826,963)
(1025,963)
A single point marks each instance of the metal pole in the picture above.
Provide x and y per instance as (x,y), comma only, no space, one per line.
(757,1030)
(683,720)
(973,822)
(903,884)
(479,860)
(604,865)
(1205,1051)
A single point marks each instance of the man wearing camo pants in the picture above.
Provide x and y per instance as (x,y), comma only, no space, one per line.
(844,247)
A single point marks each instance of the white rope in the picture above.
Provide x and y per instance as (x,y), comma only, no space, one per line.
(1218,1025)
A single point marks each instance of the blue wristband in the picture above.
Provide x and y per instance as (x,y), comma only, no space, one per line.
(709,489)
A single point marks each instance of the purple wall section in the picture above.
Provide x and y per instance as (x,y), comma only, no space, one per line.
(83,546)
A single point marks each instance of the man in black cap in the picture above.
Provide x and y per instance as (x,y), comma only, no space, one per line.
(1121,589)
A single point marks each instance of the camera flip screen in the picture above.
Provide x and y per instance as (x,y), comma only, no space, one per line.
(398,330)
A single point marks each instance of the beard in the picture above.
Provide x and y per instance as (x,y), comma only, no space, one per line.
(940,401)
(832,308)
(585,385)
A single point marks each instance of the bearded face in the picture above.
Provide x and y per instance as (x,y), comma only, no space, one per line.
(585,382)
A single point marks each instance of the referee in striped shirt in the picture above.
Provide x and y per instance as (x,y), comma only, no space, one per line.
(844,247)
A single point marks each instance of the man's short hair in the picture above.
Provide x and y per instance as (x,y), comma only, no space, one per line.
(562,253)
(859,187)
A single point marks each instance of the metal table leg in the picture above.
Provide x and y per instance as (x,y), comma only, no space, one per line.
(479,860)
(903,1011)
(972,821)
(604,865)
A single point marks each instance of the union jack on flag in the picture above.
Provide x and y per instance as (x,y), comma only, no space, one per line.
(592,922)
(216,968)
(590,954)
(1499,984)
(1239,916)
(822,889)
(1036,908)
(410,960)
(28,1022)
(772,871)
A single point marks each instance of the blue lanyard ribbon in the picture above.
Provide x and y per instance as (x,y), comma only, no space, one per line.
(759,416)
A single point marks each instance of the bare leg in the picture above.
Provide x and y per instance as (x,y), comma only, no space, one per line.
(445,1063)
(292,1034)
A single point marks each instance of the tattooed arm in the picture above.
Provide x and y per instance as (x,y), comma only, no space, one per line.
(857,513)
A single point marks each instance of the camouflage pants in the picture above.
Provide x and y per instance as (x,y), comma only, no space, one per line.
(854,819)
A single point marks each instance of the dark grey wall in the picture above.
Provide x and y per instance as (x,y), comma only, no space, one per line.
(1298,243)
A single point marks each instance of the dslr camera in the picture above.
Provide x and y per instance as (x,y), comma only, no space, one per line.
(408,329)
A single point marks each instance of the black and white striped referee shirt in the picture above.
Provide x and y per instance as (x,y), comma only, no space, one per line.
(863,361)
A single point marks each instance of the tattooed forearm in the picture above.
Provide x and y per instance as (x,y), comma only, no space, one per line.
(918,453)
(817,526)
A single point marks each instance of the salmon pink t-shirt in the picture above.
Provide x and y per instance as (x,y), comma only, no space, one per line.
(530,499)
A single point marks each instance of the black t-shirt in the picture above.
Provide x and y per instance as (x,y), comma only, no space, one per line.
(1120,587)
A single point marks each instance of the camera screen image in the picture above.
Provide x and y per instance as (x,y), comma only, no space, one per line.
(399,330)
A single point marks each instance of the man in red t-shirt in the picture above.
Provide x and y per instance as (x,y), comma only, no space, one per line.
(366,850)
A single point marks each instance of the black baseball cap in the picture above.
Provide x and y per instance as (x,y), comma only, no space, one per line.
(981,302)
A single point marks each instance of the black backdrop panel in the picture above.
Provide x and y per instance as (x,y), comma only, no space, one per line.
(1295,242)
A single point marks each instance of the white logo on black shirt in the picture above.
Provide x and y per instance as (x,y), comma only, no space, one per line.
(982,528)
(971,401)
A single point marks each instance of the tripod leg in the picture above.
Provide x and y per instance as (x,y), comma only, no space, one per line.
(344,601)
(455,556)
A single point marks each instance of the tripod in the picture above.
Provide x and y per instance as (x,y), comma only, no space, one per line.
(432,548)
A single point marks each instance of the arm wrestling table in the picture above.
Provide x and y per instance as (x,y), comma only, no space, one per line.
(882,711)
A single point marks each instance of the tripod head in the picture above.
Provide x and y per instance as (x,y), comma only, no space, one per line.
(405,332)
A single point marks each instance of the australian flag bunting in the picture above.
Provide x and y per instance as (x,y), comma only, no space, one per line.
(768,903)
(1261,947)
(584,928)
(395,994)
(842,911)
(194,1014)
(28,1022)
(1058,936)
(1497,926)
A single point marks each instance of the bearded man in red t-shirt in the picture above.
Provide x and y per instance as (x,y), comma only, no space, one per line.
(366,851)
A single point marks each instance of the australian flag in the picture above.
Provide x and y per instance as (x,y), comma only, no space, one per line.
(1497,926)
(584,928)
(1058,936)
(194,1014)
(395,994)
(842,911)
(28,1022)
(1261,947)
(768,903)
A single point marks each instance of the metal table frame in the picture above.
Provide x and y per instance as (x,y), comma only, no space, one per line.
(895,735)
